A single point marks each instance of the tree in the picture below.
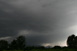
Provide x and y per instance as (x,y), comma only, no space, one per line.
(19,43)
(71,41)
(13,45)
(57,47)
(3,44)
(75,42)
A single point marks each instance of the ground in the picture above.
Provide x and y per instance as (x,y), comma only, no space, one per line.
(45,50)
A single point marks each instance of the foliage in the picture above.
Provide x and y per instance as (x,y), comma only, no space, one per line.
(13,45)
(19,43)
(3,44)
(72,41)
(57,47)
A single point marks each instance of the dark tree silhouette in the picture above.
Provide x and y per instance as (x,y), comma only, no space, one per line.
(72,41)
(19,43)
(56,47)
(3,44)
(75,42)
(13,45)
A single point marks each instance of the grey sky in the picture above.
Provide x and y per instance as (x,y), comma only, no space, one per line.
(43,22)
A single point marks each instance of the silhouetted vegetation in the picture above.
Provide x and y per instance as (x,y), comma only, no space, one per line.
(57,47)
(3,44)
(19,44)
(72,41)
(13,45)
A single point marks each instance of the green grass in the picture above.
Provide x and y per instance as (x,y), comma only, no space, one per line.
(45,50)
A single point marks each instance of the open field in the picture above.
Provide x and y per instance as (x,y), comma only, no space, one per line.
(45,50)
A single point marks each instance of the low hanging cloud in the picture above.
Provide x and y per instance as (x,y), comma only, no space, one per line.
(41,21)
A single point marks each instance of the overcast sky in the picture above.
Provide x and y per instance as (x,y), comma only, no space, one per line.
(42,22)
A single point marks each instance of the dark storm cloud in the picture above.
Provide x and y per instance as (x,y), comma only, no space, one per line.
(44,21)
(13,18)
(41,39)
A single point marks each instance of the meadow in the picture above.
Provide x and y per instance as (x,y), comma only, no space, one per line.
(45,50)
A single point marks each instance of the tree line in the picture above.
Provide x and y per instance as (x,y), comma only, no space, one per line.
(72,41)
(20,43)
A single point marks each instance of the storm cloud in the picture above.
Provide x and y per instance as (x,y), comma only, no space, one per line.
(41,21)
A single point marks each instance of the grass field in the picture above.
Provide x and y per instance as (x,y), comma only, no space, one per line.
(45,50)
